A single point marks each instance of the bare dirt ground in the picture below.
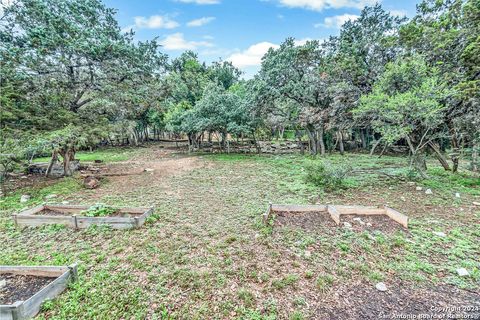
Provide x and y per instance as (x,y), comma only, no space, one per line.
(146,169)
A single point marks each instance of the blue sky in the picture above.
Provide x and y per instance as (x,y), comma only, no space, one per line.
(239,30)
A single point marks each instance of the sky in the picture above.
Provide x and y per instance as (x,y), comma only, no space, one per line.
(240,31)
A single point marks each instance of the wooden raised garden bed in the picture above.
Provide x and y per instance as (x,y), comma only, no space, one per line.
(71,216)
(25,288)
(336,211)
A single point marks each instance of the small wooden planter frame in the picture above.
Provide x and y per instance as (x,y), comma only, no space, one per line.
(31,218)
(336,211)
(27,309)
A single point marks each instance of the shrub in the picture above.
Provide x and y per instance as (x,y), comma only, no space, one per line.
(328,175)
(99,210)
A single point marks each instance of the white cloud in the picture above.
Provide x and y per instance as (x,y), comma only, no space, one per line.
(177,41)
(301,42)
(251,56)
(319,5)
(336,21)
(155,22)
(200,22)
(200,1)
(398,13)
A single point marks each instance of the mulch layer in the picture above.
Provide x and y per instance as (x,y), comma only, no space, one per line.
(20,287)
(364,301)
(321,221)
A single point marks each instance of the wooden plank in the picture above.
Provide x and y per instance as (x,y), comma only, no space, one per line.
(29,308)
(360,210)
(83,219)
(114,222)
(334,214)
(266,215)
(41,271)
(32,306)
(338,210)
(33,210)
(299,208)
(67,208)
(137,218)
(397,216)
(38,220)
(79,208)
(141,220)
(11,311)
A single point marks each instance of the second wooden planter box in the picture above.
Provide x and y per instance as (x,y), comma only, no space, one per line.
(71,216)
(28,308)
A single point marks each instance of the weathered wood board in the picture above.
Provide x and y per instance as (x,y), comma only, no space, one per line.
(74,219)
(336,211)
(27,309)
(334,214)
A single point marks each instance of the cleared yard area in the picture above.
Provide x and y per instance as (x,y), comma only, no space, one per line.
(205,253)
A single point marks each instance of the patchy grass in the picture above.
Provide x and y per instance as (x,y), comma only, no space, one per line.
(206,254)
(64,186)
(103,154)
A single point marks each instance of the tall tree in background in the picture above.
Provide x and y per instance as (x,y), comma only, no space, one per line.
(69,55)
(354,61)
(447,33)
(405,104)
(292,72)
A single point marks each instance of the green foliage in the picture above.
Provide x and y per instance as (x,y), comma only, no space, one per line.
(71,76)
(37,194)
(328,175)
(99,210)
(405,102)
(324,282)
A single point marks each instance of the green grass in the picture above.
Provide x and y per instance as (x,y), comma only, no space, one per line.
(103,154)
(206,254)
(366,172)
(64,186)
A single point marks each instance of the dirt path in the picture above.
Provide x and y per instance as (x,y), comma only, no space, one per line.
(149,169)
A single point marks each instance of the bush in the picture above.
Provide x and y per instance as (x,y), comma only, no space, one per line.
(99,210)
(327,175)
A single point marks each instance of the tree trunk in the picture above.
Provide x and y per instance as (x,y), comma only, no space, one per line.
(189,136)
(224,139)
(298,134)
(66,164)
(363,138)
(439,156)
(340,142)
(53,160)
(320,142)
(375,145)
(312,138)
(455,155)
(417,160)
(475,157)
(257,145)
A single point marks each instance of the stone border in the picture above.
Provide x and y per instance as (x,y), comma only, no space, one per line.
(21,310)
(337,210)
(31,218)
